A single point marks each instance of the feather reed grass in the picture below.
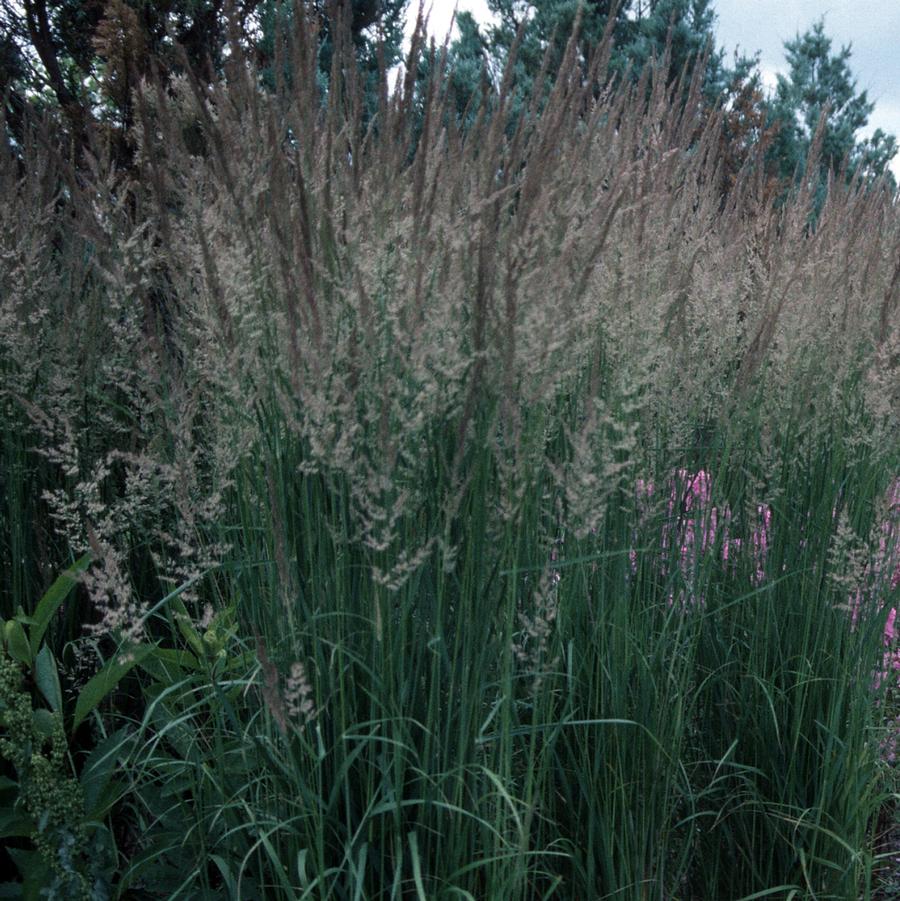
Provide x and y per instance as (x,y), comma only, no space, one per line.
(365,401)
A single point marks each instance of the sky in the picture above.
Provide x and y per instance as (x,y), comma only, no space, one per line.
(871,27)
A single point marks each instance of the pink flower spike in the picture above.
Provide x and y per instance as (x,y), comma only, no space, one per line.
(889,627)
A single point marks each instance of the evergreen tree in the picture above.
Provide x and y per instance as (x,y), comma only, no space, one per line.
(84,57)
(375,28)
(820,83)
(745,127)
(468,69)
(642,30)
(687,29)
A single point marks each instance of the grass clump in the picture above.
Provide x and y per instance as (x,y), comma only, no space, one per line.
(482,512)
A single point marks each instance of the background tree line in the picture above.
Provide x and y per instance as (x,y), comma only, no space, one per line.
(78,61)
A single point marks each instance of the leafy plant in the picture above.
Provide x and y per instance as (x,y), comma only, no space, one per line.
(62,814)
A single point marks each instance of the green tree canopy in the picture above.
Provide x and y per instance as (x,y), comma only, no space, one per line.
(375,28)
(84,57)
(820,84)
(641,29)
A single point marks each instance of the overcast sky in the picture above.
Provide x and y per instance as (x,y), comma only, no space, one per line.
(871,27)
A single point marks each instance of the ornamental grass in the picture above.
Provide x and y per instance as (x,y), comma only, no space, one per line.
(482,507)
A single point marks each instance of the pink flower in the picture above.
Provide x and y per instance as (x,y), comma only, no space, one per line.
(889,634)
(694,523)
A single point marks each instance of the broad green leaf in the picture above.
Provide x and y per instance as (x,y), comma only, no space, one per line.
(46,677)
(99,769)
(241,661)
(176,660)
(185,659)
(35,872)
(183,619)
(51,601)
(106,680)
(16,642)
(111,794)
(14,825)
